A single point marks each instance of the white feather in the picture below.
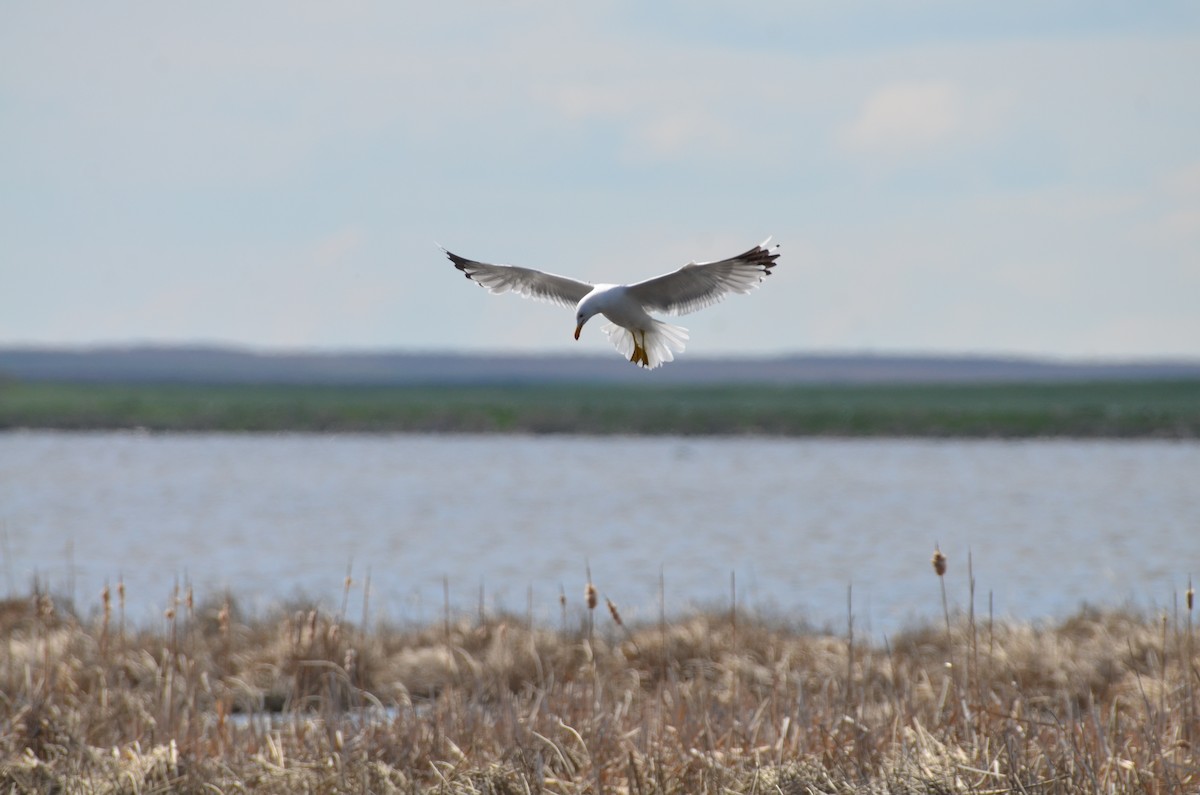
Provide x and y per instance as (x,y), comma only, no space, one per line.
(663,341)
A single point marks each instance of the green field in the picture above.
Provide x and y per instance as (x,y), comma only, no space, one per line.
(1167,409)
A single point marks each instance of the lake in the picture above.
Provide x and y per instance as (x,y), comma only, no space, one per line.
(511,520)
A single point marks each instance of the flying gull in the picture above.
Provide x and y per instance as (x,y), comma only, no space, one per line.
(645,340)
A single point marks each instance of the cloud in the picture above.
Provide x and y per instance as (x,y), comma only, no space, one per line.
(1182,224)
(1174,202)
(582,103)
(1184,181)
(686,133)
(906,116)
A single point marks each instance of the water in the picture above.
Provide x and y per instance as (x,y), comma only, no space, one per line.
(1049,524)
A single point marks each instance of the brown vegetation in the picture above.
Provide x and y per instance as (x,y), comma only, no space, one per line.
(306,701)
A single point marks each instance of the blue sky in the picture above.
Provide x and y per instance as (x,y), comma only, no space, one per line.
(1018,178)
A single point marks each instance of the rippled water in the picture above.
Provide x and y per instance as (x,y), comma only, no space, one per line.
(1050,524)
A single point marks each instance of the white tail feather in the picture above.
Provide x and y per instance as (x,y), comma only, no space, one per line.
(661,342)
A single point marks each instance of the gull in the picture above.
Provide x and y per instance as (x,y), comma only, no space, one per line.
(645,340)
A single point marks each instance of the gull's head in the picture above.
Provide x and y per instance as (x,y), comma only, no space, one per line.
(583,313)
(581,317)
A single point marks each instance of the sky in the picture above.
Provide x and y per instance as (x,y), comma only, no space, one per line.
(1016,178)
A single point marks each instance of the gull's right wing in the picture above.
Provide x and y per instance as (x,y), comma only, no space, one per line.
(522,281)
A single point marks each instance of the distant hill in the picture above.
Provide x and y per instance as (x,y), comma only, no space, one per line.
(217,365)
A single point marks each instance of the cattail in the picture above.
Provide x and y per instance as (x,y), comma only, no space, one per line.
(169,614)
(616,617)
(589,598)
(223,618)
(346,585)
(1191,595)
(106,598)
(121,605)
(939,561)
(612,608)
(939,567)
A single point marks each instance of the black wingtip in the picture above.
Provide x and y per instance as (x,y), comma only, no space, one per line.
(459,262)
(764,255)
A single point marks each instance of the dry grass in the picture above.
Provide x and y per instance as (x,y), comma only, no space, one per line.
(305,701)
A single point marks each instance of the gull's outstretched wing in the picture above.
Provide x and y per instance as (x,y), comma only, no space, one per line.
(522,281)
(700,284)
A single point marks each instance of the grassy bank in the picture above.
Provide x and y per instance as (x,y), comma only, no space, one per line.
(307,701)
(1110,409)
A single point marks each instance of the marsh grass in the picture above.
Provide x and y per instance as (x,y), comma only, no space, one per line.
(211,700)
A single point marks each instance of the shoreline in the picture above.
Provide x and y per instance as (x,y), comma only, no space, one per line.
(1099,410)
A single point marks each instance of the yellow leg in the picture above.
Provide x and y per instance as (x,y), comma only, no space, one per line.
(639,350)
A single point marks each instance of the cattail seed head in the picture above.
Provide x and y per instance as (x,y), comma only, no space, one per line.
(612,608)
(1191,596)
(106,597)
(590,596)
(939,562)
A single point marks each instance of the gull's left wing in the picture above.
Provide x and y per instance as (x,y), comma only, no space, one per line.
(522,281)
(700,284)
